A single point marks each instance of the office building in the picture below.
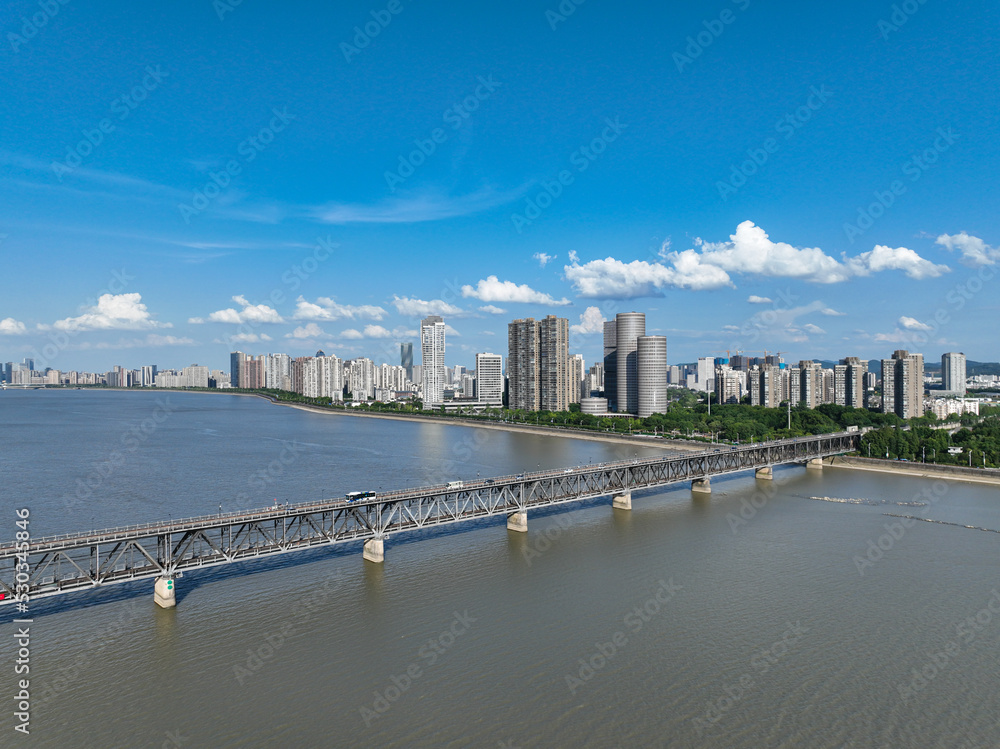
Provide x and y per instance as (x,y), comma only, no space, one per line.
(611,364)
(630,326)
(406,359)
(651,374)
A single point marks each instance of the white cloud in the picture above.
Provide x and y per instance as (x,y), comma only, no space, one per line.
(543,258)
(326,308)
(250,313)
(492,289)
(245,338)
(421,308)
(10,326)
(416,208)
(591,321)
(830,312)
(113,312)
(754,299)
(613,279)
(814,329)
(154,339)
(910,323)
(573,257)
(974,251)
(378,331)
(898,258)
(309,330)
(492,310)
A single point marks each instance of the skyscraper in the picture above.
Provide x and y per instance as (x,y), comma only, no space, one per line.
(651,373)
(406,359)
(522,364)
(575,374)
(489,379)
(629,327)
(236,359)
(903,384)
(611,364)
(953,373)
(849,382)
(553,363)
(432,359)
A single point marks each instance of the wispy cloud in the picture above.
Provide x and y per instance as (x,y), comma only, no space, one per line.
(415,209)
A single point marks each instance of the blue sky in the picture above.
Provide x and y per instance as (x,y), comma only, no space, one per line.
(183,181)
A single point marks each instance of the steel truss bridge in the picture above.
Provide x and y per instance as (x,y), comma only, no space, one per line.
(78,561)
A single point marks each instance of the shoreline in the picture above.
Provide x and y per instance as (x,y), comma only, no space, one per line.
(913,470)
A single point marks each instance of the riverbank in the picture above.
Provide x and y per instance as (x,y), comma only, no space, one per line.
(916,470)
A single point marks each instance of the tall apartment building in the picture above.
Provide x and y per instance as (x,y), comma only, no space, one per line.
(278,371)
(729,384)
(953,373)
(651,374)
(611,364)
(903,384)
(849,382)
(538,364)
(706,373)
(359,377)
(805,384)
(767,385)
(575,377)
(489,379)
(630,326)
(432,360)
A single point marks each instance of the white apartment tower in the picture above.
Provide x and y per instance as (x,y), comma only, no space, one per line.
(432,360)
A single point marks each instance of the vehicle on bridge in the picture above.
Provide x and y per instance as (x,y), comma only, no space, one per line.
(358,496)
(454,484)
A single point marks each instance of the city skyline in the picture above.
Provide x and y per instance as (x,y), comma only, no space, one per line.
(818,221)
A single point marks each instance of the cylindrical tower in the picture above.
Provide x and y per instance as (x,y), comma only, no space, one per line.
(651,355)
(629,327)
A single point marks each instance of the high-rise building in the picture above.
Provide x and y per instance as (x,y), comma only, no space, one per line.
(729,384)
(651,372)
(553,363)
(359,376)
(489,379)
(805,384)
(706,373)
(575,374)
(406,359)
(236,360)
(432,347)
(903,384)
(522,364)
(594,383)
(766,385)
(629,327)
(953,373)
(849,382)
(611,364)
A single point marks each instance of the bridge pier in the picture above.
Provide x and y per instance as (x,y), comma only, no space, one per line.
(701,486)
(374,550)
(622,501)
(518,521)
(765,473)
(163,592)
(816,463)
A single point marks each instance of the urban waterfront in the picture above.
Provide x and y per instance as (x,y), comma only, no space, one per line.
(757,617)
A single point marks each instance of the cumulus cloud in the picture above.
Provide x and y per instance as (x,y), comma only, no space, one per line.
(490,309)
(309,330)
(245,338)
(899,258)
(326,308)
(910,323)
(248,313)
(421,308)
(543,258)
(113,312)
(492,289)
(378,331)
(10,326)
(750,251)
(591,321)
(974,251)
(754,299)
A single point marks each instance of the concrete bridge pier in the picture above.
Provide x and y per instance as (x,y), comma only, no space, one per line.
(701,486)
(766,473)
(518,521)
(816,463)
(622,501)
(374,550)
(163,592)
